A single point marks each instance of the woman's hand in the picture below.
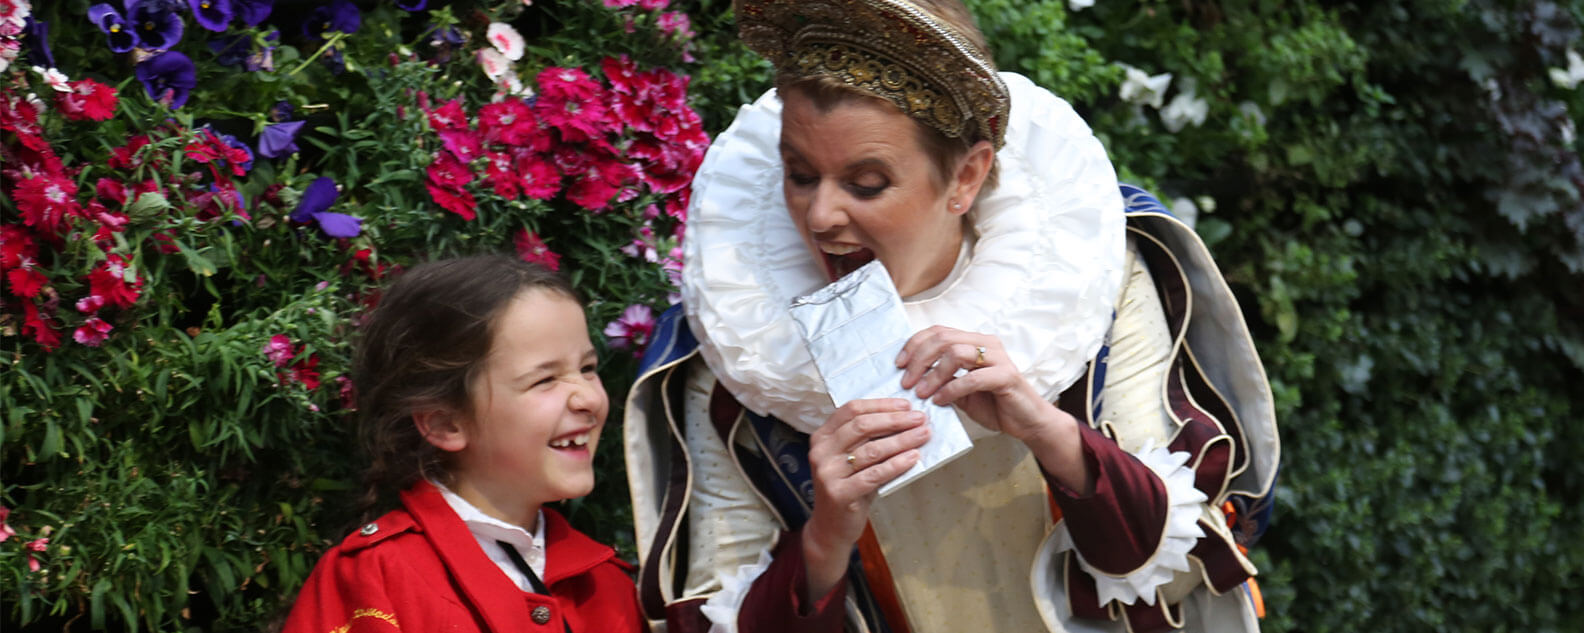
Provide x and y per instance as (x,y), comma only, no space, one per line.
(863,445)
(994,393)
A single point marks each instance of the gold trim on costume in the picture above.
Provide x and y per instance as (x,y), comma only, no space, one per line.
(888,48)
(388,618)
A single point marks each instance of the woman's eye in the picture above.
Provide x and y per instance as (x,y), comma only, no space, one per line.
(800,179)
(868,189)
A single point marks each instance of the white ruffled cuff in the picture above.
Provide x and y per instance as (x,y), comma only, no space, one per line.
(1181,534)
(723,607)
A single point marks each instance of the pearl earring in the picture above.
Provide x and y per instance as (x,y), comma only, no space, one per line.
(956,206)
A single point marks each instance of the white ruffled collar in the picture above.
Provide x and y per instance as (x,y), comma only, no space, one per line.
(1043,275)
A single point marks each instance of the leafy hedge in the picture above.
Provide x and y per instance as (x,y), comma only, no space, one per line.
(1393,189)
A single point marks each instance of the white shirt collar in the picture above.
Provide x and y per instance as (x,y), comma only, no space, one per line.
(487,530)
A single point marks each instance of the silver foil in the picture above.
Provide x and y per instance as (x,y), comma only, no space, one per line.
(854,328)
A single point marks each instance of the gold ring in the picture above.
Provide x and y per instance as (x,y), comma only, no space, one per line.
(852,461)
(980,362)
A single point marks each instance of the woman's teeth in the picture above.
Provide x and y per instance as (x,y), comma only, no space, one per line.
(839,249)
(580,439)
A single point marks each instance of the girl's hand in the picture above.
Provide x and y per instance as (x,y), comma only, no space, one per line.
(994,393)
(863,445)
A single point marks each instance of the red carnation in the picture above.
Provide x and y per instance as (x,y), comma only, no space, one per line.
(40,326)
(450,116)
(125,157)
(110,280)
(455,200)
(45,201)
(510,122)
(532,249)
(501,175)
(540,180)
(89,100)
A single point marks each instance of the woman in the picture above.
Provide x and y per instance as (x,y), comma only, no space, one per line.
(998,216)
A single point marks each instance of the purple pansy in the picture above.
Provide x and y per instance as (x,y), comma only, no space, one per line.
(157,24)
(118,33)
(412,5)
(231,51)
(168,77)
(253,12)
(312,208)
(35,38)
(279,139)
(340,15)
(211,14)
(281,111)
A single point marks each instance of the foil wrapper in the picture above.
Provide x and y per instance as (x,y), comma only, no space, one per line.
(854,328)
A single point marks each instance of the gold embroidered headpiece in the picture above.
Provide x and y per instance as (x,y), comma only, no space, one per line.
(888,48)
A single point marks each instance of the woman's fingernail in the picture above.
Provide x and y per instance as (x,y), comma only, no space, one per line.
(901,358)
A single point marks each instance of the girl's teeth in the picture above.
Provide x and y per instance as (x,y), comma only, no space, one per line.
(580,439)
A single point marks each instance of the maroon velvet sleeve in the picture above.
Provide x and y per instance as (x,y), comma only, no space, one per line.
(1117,526)
(775,603)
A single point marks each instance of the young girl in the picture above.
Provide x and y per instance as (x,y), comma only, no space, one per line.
(480,403)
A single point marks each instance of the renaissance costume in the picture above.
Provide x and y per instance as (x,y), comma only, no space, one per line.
(1104,302)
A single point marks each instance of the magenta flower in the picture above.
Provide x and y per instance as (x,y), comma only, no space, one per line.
(279,350)
(632,329)
(5,528)
(92,332)
(36,545)
(532,249)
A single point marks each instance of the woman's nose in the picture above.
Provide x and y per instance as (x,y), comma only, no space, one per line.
(825,213)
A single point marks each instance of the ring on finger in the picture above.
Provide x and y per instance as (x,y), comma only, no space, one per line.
(852,461)
(980,361)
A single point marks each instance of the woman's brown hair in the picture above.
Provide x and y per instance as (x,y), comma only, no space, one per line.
(421,348)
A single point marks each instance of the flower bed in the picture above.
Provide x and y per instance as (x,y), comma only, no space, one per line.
(201,197)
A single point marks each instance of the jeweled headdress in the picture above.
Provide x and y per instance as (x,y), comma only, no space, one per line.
(889,48)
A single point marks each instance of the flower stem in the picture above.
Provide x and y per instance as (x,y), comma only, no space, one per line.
(334,39)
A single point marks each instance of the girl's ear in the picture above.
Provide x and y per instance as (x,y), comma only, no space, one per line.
(442,428)
(971,174)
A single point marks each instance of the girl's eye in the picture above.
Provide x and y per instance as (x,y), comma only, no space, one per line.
(800,179)
(590,369)
(543,381)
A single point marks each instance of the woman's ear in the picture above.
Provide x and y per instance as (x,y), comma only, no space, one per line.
(971,174)
(442,428)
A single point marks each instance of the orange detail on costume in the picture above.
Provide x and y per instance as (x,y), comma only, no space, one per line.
(878,572)
(367,613)
(1253,585)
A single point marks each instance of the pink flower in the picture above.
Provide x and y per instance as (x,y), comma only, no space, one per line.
(88,100)
(36,545)
(532,249)
(509,122)
(464,144)
(279,350)
(675,24)
(5,529)
(502,175)
(92,332)
(573,103)
(493,63)
(617,4)
(506,40)
(450,116)
(632,329)
(539,178)
(650,5)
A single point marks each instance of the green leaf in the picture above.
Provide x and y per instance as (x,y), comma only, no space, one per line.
(96,608)
(148,206)
(195,261)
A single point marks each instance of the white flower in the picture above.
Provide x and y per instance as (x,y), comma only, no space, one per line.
(57,79)
(1571,76)
(1185,108)
(1141,87)
(506,40)
(1206,204)
(1079,5)
(1185,210)
(495,64)
(13,16)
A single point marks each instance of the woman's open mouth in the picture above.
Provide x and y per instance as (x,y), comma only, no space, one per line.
(841,259)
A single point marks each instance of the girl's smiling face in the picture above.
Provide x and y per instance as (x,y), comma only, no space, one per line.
(537,411)
(859,186)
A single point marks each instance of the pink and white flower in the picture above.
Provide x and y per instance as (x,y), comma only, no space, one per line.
(13,16)
(632,329)
(55,78)
(5,528)
(494,64)
(92,332)
(279,350)
(506,40)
